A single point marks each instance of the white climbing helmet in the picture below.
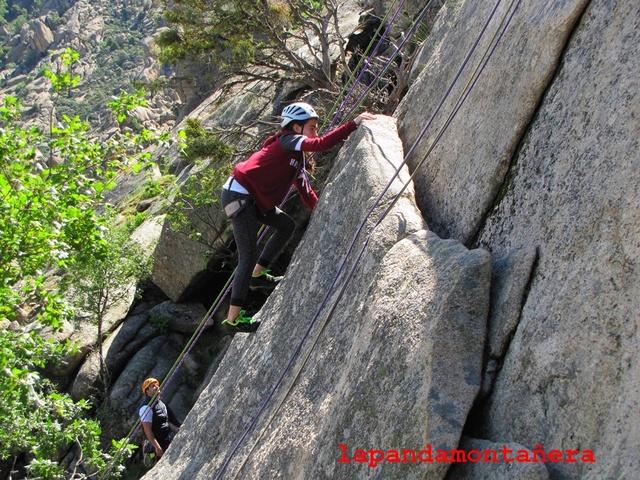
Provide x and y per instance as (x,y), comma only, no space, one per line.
(298,111)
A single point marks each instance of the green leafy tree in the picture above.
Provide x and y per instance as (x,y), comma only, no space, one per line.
(236,36)
(47,219)
(240,41)
(46,213)
(48,225)
(63,79)
(102,280)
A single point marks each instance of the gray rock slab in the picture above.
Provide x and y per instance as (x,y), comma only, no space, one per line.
(465,169)
(390,340)
(570,378)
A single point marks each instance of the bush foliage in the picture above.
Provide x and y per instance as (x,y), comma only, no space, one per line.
(52,186)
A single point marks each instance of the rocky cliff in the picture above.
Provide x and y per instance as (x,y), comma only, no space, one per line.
(115,43)
(468,282)
(492,307)
(541,161)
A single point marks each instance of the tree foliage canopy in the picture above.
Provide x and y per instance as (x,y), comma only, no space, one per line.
(49,222)
(290,36)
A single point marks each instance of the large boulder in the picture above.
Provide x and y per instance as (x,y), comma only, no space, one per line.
(146,323)
(36,35)
(542,156)
(570,379)
(391,358)
(466,167)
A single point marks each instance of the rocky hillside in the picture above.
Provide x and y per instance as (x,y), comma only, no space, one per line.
(115,44)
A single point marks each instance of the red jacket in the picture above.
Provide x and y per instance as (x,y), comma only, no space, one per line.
(269,173)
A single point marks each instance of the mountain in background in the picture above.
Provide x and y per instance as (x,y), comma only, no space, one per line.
(115,43)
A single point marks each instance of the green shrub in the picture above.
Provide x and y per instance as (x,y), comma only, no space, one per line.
(134,221)
(160,322)
(152,188)
(200,143)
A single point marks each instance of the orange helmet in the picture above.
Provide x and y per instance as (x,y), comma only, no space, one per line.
(147,383)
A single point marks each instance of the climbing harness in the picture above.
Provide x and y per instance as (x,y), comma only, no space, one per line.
(235,207)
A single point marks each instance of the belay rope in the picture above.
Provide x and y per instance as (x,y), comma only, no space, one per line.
(226,289)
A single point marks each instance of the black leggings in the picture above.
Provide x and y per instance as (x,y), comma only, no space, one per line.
(245,232)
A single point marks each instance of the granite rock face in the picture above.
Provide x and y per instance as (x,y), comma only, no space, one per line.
(543,157)
(394,328)
(569,378)
(469,155)
(376,334)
